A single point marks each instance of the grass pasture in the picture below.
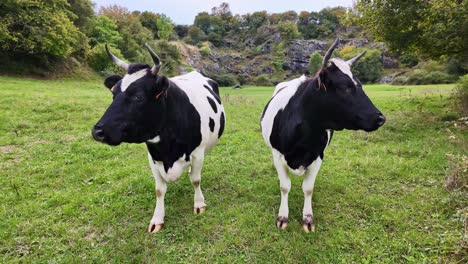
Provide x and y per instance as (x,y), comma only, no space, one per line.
(379,197)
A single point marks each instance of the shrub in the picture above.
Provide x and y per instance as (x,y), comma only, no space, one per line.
(226,79)
(169,55)
(400,80)
(315,62)
(419,76)
(100,62)
(205,51)
(461,93)
(369,68)
(263,80)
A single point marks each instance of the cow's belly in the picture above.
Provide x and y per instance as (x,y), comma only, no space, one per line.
(178,167)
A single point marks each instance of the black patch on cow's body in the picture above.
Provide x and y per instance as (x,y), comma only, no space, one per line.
(213,104)
(298,138)
(212,124)
(221,125)
(214,86)
(180,132)
(216,96)
(134,67)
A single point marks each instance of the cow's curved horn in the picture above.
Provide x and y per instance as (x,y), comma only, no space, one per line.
(327,56)
(353,60)
(156,60)
(116,60)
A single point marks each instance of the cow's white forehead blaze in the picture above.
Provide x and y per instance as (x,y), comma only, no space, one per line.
(344,67)
(128,79)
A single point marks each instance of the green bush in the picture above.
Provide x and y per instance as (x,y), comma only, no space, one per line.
(419,76)
(315,62)
(263,80)
(225,80)
(369,68)
(169,55)
(205,51)
(100,62)
(400,80)
(461,93)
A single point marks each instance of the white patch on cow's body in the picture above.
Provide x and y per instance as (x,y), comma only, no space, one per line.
(128,79)
(281,96)
(154,140)
(344,68)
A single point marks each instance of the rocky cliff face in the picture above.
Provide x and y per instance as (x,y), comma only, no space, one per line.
(293,59)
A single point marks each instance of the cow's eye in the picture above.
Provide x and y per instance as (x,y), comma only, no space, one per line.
(137,98)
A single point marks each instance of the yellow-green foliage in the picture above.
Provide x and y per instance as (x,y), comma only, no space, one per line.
(39,27)
(347,51)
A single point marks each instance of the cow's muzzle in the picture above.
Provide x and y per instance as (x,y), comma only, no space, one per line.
(98,134)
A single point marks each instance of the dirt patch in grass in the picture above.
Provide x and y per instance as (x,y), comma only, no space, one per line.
(457,178)
(8,149)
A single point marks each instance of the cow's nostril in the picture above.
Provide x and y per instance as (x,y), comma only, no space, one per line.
(98,134)
(381,120)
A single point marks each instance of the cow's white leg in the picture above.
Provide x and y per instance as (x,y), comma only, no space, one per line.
(285,186)
(157,222)
(195,177)
(308,188)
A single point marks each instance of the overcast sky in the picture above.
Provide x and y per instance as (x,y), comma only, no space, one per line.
(184,11)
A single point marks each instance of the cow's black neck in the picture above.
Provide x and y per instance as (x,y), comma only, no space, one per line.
(297,129)
(179,129)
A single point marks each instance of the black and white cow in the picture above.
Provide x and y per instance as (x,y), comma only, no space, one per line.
(298,124)
(178,118)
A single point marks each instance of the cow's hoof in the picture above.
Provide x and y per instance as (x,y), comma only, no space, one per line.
(282,222)
(199,210)
(153,228)
(308,224)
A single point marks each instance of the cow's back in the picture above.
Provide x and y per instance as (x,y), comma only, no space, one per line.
(281,96)
(204,96)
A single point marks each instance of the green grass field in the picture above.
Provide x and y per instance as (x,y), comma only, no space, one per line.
(379,197)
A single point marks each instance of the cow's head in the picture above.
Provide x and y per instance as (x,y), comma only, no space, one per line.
(343,103)
(137,108)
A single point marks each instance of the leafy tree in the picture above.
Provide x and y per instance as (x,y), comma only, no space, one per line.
(39,28)
(431,28)
(315,62)
(104,30)
(209,24)
(170,57)
(308,24)
(196,34)
(149,20)
(289,30)
(165,27)
(83,10)
(181,30)
(134,34)
(255,20)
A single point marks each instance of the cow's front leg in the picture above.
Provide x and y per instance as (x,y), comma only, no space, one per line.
(195,177)
(308,188)
(285,186)
(157,222)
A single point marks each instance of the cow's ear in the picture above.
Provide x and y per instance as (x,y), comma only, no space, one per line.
(322,79)
(112,80)
(162,83)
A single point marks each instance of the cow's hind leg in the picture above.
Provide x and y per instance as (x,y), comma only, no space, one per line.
(308,188)
(285,186)
(157,222)
(195,177)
